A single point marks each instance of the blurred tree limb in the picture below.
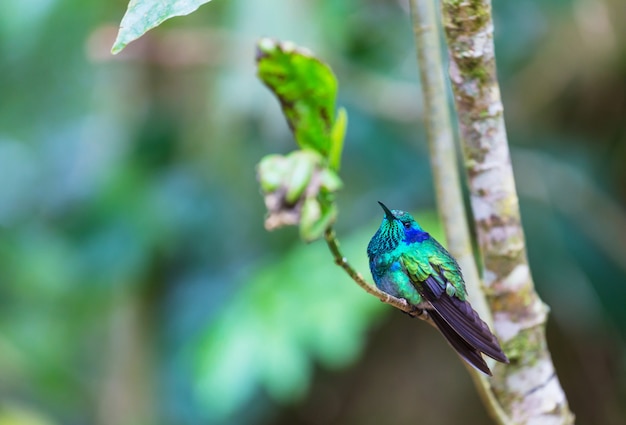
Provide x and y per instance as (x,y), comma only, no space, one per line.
(446,175)
(527,390)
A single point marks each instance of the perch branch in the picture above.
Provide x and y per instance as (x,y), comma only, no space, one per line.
(341,261)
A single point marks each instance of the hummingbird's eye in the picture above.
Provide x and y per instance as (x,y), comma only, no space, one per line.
(407,225)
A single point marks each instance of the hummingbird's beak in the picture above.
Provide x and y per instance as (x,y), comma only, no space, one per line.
(388,212)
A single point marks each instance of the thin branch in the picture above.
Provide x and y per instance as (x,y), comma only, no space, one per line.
(442,150)
(341,261)
(528,389)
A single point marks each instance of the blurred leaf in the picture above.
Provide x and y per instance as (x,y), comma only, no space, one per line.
(306,88)
(143,15)
(337,136)
(16,414)
(268,334)
(290,314)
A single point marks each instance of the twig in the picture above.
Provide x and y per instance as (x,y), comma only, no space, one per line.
(341,261)
(442,150)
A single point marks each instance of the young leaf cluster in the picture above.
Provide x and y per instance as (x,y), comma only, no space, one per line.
(299,187)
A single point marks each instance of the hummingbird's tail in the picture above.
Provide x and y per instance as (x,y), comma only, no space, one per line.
(469,353)
(462,327)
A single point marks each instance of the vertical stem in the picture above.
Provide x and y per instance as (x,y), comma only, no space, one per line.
(445,172)
(441,144)
(528,389)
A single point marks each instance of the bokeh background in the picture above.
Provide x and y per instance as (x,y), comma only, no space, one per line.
(138,285)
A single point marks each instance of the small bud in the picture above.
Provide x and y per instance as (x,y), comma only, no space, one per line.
(297,190)
(271,171)
(301,165)
(315,219)
(330,180)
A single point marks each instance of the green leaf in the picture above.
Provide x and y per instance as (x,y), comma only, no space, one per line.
(306,88)
(315,219)
(143,15)
(302,165)
(337,135)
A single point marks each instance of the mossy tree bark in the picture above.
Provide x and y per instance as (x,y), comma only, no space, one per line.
(528,389)
(445,172)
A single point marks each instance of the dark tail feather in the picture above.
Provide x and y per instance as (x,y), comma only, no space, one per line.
(462,347)
(463,321)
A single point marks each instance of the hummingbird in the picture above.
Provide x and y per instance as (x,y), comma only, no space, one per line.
(407,263)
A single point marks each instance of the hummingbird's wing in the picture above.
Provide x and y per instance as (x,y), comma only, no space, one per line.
(461,318)
(431,270)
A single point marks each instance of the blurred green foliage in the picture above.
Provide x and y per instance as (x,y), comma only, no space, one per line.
(138,285)
(291,314)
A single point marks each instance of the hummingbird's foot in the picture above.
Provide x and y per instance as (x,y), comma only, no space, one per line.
(420,313)
(414,311)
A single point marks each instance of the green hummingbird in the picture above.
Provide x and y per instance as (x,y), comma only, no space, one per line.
(406,262)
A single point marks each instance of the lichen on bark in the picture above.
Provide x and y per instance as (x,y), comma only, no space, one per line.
(528,389)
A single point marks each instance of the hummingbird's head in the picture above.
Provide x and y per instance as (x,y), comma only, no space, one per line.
(397,226)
